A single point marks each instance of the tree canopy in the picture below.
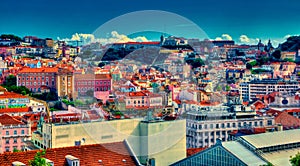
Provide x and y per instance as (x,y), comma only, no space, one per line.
(10,80)
(38,159)
(11,37)
(276,54)
(295,161)
(198,62)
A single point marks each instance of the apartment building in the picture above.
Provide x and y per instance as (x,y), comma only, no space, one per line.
(250,90)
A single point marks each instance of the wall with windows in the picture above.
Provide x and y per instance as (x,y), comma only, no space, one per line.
(204,133)
(12,137)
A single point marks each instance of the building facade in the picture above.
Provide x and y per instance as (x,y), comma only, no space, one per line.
(13,133)
(266,86)
(34,78)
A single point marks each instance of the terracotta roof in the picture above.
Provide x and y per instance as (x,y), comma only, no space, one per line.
(293,110)
(192,151)
(287,120)
(273,112)
(102,76)
(14,110)
(9,120)
(112,154)
(137,94)
(39,70)
(2,89)
(10,95)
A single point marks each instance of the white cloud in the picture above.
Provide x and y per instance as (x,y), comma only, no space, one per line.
(224,37)
(227,37)
(113,37)
(244,39)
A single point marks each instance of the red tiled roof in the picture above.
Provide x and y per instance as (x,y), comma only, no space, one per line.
(111,154)
(192,151)
(102,76)
(14,110)
(287,120)
(39,70)
(137,94)
(273,112)
(10,95)
(293,110)
(9,120)
(2,89)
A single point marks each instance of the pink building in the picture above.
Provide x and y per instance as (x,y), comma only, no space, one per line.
(94,82)
(143,100)
(34,78)
(3,50)
(13,133)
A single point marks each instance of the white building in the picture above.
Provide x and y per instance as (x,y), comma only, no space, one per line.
(204,128)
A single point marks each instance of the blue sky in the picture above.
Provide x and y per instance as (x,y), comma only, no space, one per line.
(264,19)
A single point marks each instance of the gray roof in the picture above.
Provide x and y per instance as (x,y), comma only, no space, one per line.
(281,157)
(243,153)
(273,138)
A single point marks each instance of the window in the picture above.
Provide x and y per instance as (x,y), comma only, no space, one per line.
(7,141)
(228,124)
(269,122)
(7,132)
(233,125)
(7,148)
(15,132)
(223,125)
(15,140)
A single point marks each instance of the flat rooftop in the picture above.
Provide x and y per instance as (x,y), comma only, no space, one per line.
(273,138)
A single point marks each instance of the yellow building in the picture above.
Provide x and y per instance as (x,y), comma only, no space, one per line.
(288,55)
(65,83)
(163,141)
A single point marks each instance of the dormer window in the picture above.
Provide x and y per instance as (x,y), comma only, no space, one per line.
(51,163)
(72,161)
(18,163)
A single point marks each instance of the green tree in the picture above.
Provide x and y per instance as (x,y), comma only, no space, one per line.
(11,37)
(276,54)
(198,62)
(248,66)
(295,161)
(219,88)
(227,88)
(268,164)
(51,96)
(38,159)
(16,150)
(10,80)
(253,63)
(78,103)
(101,64)
(17,89)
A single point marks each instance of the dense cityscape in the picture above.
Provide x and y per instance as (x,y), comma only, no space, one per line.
(130,100)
